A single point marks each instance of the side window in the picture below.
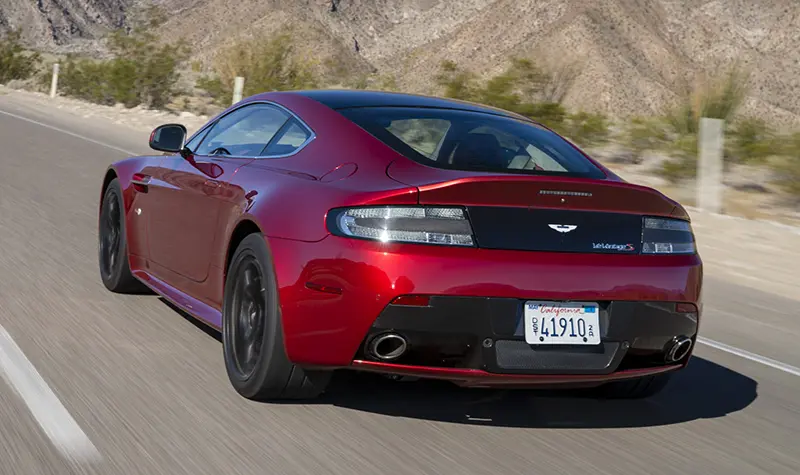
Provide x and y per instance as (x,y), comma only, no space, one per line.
(423,135)
(244,132)
(290,139)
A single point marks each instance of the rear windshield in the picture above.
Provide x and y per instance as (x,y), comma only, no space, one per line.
(474,141)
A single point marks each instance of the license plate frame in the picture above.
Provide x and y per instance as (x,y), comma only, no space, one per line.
(575,323)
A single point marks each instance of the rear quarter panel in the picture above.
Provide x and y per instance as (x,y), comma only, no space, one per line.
(288,198)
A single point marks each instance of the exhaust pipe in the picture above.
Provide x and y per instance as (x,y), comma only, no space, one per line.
(388,346)
(679,348)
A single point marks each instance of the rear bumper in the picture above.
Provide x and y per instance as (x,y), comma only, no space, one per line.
(472,378)
(336,293)
(477,341)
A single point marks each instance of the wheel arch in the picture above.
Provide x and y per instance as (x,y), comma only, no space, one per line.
(111,173)
(245,227)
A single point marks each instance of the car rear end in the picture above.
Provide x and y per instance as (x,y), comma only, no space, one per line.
(547,273)
(504,293)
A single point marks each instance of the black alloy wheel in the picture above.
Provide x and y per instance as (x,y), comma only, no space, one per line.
(252,331)
(249,308)
(110,233)
(115,270)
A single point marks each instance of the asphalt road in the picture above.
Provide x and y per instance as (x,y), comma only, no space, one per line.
(139,389)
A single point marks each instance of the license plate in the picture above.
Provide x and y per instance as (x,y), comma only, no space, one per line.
(562,323)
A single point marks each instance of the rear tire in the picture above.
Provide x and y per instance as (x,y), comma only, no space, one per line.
(115,268)
(638,388)
(252,333)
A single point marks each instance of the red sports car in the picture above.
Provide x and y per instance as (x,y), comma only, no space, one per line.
(404,235)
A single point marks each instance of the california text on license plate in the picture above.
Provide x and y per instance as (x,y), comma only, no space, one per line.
(562,323)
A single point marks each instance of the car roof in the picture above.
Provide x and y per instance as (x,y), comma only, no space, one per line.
(345,99)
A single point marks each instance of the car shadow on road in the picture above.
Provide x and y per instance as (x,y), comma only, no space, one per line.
(704,390)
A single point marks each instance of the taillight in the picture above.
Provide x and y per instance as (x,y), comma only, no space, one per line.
(412,300)
(667,236)
(411,224)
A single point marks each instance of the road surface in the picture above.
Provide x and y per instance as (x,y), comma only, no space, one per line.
(98,383)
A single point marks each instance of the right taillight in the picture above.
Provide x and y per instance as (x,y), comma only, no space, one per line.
(667,236)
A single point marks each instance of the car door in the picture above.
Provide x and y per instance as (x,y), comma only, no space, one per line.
(183,242)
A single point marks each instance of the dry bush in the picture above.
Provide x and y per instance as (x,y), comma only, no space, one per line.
(713,97)
(15,62)
(788,169)
(142,71)
(456,82)
(588,129)
(644,134)
(718,97)
(750,141)
(268,63)
(561,76)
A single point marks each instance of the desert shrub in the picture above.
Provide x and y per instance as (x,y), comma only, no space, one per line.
(375,82)
(102,82)
(15,62)
(358,81)
(387,82)
(526,80)
(683,162)
(559,79)
(266,63)
(500,91)
(715,97)
(457,83)
(588,129)
(750,140)
(643,134)
(788,169)
(519,88)
(789,176)
(142,70)
(718,97)
(550,114)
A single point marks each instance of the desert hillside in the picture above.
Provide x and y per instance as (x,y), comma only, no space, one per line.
(63,25)
(635,55)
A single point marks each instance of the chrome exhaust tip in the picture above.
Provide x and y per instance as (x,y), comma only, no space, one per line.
(679,348)
(388,346)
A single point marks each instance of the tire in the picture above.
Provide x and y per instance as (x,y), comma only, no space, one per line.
(112,246)
(251,319)
(639,388)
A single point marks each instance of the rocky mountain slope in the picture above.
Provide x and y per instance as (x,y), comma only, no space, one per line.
(635,55)
(65,25)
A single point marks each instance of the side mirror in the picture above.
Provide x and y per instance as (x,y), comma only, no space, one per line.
(168,138)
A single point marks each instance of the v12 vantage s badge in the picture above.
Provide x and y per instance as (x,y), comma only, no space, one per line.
(613,247)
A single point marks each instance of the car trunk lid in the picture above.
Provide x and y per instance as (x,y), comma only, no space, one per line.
(543,212)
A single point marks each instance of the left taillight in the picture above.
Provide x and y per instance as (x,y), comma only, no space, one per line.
(667,236)
(448,226)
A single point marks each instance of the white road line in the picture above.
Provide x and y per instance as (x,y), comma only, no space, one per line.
(750,356)
(52,416)
(73,134)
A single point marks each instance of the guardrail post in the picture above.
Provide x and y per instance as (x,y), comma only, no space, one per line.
(54,81)
(238,89)
(709,165)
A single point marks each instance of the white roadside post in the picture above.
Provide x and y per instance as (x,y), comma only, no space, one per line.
(238,88)
(709,165)
(54,81)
